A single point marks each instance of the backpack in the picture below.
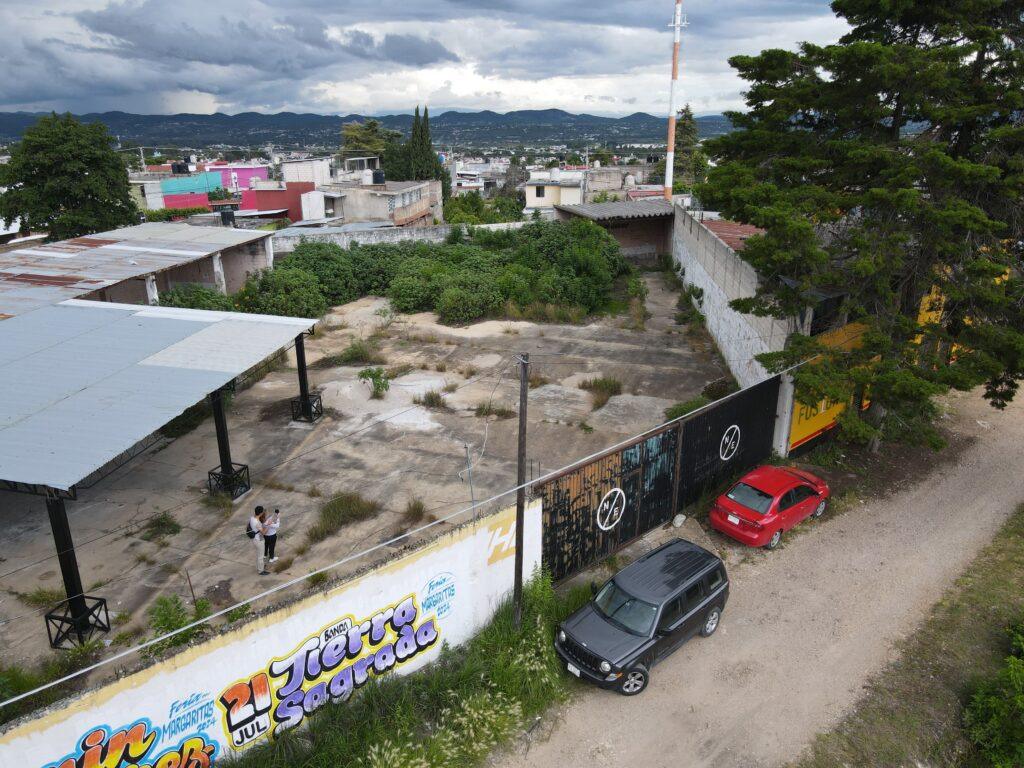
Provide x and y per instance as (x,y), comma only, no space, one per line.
(249,531)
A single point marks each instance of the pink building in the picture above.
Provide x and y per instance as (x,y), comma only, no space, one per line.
(236,177)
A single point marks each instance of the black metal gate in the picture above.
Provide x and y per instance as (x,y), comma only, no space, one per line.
(593,509)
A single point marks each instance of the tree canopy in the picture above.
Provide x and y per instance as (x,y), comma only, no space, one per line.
(368,138)
(416,160)
(691,164)
(65,178)
(887,170)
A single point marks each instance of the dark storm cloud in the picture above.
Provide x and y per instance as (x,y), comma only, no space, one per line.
(275,54)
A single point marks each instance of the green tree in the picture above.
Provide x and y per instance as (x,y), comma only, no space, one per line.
(331,266)
(368,138)
(415,160)
(284,291)
(691,164)
(888,168)
(65,178)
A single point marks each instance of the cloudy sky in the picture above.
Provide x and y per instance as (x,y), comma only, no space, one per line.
(377,56)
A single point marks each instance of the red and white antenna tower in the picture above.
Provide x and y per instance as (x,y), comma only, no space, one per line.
(678,22)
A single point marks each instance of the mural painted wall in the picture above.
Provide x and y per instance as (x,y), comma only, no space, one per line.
(247,686)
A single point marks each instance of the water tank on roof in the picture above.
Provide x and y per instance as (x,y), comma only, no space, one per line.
(556,174)
(378,177)
(367,177)
(227,218)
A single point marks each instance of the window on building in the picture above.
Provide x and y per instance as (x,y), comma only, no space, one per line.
(540,191)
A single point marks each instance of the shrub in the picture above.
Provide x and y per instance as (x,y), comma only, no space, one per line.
(995,714)
(689,406)
(489,409)
(167,614)
(601,390)
(637,288)
(195,296)
(159,527)
(377,379)
(720,388)
(457,306)
(285,291)
(331,266)
(431,399)
(358,352)
(415,511)
(344,509)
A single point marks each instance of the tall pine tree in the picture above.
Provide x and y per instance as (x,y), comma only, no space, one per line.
(889,169)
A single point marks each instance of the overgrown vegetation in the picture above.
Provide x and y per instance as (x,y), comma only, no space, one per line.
(167,614)
(453,713)
(913,713)
(159,527)
(688,406)
(339,511)
(288,291)
(16,680)
(601,390)
(490,409)
(358,352)
(471,208)
(196,296)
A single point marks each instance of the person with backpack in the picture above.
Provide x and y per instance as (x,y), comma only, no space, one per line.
(255,530)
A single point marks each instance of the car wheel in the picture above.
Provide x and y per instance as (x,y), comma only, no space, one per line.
(634,681)
(773,542)
(820,509)
(711,622)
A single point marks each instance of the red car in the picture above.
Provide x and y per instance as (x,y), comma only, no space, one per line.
(766,502)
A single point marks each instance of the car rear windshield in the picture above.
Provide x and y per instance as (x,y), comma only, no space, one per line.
(750,497)
(631,613)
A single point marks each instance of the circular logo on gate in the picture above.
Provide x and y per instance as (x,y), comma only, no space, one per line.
(611,509)
(730,443)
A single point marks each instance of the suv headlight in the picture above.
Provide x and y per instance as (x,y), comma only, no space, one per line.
(561,636)
(606,667)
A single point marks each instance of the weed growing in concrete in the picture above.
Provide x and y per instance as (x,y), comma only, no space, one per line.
(314,492)
(470,371)
(490,409)
(450,387)
(585,427)
(342,510)
(160,527)
(397,371)
(689,406)
(601,390)
(431,399)
(315,580)
(537,379)
(283,564)
(238,613)
(275,485)
(441,367)
(221,502)
(15,679)
(415,511)
(359,352)
(41,597)
(167,614)
(377,380)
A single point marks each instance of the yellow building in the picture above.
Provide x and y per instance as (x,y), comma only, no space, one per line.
(546,189)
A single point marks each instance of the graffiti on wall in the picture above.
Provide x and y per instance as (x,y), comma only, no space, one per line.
(138,745)
(327,667)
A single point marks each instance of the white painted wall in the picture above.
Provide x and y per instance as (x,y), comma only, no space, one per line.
(240,688)
(708,263)
(317,170)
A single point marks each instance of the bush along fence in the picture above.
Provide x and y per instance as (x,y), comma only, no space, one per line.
(252,685)
(594,508)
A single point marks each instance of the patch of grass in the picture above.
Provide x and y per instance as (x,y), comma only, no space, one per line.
(473,699)
(688,406)
(41,597)
(143,559)
(397,371)
(315,580)
(537,379)
(441,367)
(221,502)
(160,527)
(128,637)
(277,486)
(121,618)
(450,387)
(601,390)
(283,564)
(358,352)
(431,399)
(344,509)
(16,679)
(415,511)
(720,388)
(302,549)
(912,712)
(585,427)
(510,330)
(169,613)
(637,314)
(469,371)
(314,492)
(828,455)
(490,409)
(238,613)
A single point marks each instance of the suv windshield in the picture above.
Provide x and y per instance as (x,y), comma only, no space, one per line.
(631,613)
(750,497)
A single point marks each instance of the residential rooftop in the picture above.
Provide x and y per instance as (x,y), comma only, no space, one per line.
(646,209)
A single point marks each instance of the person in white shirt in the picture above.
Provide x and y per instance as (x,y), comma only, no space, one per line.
(273,524)
(257,524)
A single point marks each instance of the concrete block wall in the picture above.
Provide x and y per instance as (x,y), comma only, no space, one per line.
(284,242)
(708,263)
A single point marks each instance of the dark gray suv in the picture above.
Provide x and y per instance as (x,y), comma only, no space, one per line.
(644,613)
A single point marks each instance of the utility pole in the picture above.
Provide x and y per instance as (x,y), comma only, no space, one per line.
(678,22)
(142,159)
(524,388)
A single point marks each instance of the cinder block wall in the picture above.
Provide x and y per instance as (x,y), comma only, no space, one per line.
(708,263)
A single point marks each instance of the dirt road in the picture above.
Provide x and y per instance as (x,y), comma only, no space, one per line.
(807,626)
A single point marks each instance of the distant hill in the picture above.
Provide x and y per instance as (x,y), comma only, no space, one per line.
(286,129)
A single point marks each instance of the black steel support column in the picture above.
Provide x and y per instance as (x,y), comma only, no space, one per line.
(75,619)
(305,407)
(229,478)
(221,423)
(68,562)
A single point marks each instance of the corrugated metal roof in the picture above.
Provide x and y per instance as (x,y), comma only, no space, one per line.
(639,209)
(47,273)
(85,381)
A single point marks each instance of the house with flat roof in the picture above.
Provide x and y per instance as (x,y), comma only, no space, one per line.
(546,189)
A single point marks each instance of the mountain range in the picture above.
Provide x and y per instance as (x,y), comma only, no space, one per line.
(289,129)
